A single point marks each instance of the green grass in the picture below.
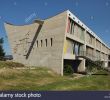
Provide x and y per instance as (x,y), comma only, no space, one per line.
(45,79)
(10,64)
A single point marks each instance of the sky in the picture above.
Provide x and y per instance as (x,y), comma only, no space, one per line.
(94,13)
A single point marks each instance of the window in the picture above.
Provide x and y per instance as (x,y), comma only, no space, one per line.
(82,34)
(41,43)
(72,27)
(51,41)
(89,38)
(37,43)
(46,42)
(68,27)
(90,41)
(76,48)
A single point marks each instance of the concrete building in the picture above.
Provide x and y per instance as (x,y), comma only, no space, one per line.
(56,41)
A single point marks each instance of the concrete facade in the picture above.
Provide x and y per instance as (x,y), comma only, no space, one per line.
(48,43)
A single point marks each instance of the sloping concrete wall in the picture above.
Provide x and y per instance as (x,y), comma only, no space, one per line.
(42,54)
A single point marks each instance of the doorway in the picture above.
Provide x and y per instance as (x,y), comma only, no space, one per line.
(74,64)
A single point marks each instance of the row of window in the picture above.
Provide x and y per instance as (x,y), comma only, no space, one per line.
(78,31)
(45,42)
(98,55)
(75,29)
(98,44)
(90,39)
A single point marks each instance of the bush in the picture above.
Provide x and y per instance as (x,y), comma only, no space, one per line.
(2,53)
(68,70)
(91,69)
(14,64)
(9,64)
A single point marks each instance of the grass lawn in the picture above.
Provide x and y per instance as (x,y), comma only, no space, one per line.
(45,79)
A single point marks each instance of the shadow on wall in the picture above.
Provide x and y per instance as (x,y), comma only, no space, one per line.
(34,39)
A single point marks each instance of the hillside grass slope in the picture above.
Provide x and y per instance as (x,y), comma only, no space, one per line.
(15,76)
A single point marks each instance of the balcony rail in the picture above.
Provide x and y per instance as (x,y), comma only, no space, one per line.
(89,55)
(90,58)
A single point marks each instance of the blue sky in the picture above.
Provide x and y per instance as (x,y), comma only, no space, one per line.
(94,13)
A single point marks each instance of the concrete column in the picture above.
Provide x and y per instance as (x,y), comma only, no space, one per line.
(105,64)
(85,41)
(101,52)
(81,67)
(85,37)
(94,51)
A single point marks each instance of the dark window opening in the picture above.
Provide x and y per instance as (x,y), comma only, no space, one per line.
(41,43)
(109,57)
(37,43)
(51,41)
(46,42)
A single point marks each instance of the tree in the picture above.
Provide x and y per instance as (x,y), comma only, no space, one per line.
(2,53)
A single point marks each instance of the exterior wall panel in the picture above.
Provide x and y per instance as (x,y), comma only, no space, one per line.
(41,56)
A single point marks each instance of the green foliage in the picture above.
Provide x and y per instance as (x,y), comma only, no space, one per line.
(1,40)
(68,70)
(9,64)
(2,53)
(92,68)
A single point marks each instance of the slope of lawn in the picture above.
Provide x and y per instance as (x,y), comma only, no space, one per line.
(15,76)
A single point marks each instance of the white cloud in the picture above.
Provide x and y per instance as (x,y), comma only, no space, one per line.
(45,3)
(76,3)
(92,17)
(15,3)
(107,4)
(107,31)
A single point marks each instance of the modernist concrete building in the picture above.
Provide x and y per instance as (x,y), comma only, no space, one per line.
(57,41)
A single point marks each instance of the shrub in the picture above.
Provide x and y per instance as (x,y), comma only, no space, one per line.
(9,64)
(14,64)
(68,70)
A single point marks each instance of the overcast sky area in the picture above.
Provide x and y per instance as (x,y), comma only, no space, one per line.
(94,13)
